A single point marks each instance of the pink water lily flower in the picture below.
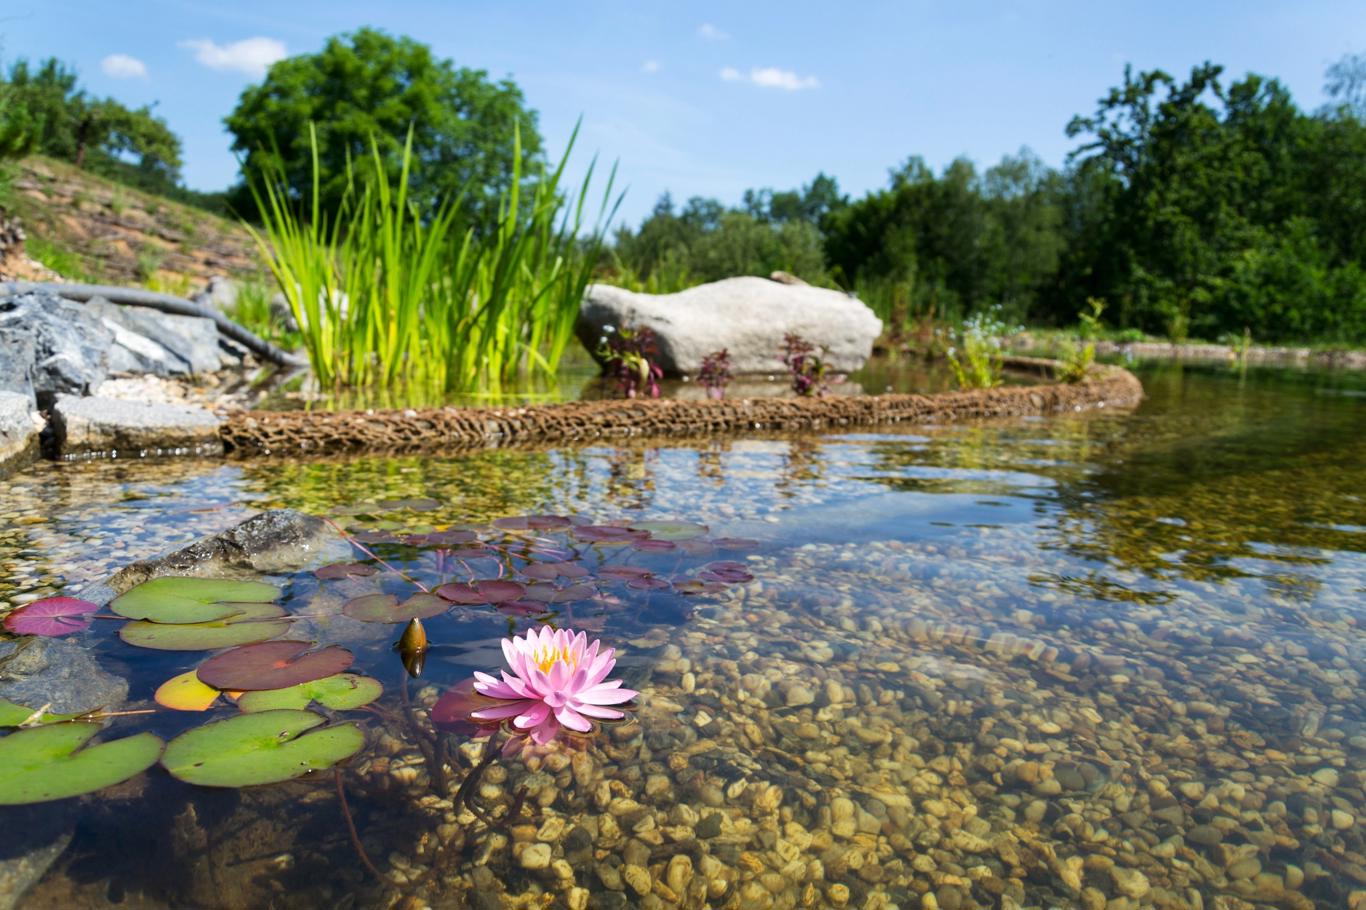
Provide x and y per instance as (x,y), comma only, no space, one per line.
(558,680)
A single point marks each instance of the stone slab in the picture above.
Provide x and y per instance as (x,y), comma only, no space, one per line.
(113,427)
(19,429)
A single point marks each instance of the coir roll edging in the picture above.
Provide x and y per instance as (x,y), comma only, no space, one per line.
(411,430)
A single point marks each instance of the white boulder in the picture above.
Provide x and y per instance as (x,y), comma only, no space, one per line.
(747,316)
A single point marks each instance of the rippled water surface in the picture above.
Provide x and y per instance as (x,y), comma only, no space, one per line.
(1105,660)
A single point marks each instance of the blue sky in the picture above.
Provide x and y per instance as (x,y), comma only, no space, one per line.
(710,98)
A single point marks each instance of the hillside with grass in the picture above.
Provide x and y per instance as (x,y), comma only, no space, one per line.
(89,228)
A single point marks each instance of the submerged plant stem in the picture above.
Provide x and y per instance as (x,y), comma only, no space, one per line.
(355,835)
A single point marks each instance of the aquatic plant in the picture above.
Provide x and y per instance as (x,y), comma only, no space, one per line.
(557,680)
(385,293)
(977,362)
(627,355)
(1090,324)
(51,616)
(804,365)
(715,373)
(1075,361)
(552,573)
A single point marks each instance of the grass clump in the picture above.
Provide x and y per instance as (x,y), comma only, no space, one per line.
(386,293)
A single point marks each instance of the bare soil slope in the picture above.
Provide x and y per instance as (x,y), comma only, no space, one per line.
(88,228)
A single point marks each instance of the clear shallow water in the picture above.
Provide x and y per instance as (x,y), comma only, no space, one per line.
(1109,658)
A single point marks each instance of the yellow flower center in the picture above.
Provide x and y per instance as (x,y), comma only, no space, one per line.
(547,657)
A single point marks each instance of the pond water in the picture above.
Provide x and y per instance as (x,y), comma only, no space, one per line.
(1107,660)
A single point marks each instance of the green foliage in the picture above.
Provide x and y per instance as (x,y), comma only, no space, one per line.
(707,242)
(48,762)
(1223,206)
(261,748)
(1191,209)
(362,92)
(252,310)
(386,291)
(1090,324)
(1076,360)
(953,243)
(63,121)
(976,361)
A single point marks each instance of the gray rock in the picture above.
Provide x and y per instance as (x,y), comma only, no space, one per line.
(50,346)
(113,427)
(58,672)
(746,316)
(19,429)
(279,540)
(149,341)
(220,294)
(51,829)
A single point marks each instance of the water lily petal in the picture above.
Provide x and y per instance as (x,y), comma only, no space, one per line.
(573,719)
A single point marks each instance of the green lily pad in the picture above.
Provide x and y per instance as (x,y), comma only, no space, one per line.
(386,608)
(341,692)
(12,715)
(670,530)
(190,600)
(251,623)
(259,748)
(47,763)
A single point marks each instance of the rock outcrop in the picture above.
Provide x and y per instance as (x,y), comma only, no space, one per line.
(746,316)
(114,427)
(19,429)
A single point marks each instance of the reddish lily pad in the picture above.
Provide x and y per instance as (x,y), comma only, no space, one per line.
(452,710)
(51,616)
(650,545)
(272,665)
(532,523)
(251,623)
(607,534)
(386,608)
(491,591)
(173,599)
(735,543)
(549,571)
(522,608)
(345,570)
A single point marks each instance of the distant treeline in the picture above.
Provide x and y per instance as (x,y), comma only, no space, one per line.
(45,111)
(1193,209)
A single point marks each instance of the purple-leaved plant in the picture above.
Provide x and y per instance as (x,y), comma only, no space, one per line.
(806,367)
(715,374)
(629,355)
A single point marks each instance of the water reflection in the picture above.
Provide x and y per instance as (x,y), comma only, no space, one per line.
(1103,660)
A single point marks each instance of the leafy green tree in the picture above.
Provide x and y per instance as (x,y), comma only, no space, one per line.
(369,85)
(1213,224)
(99,134)
(707,242)
(1345,83)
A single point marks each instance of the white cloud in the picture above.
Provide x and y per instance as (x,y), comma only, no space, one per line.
(650,66)
(770,77)
(252,56)
(712,33)
(122,66)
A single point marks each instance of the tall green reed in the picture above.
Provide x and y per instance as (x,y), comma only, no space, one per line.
(385,293)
